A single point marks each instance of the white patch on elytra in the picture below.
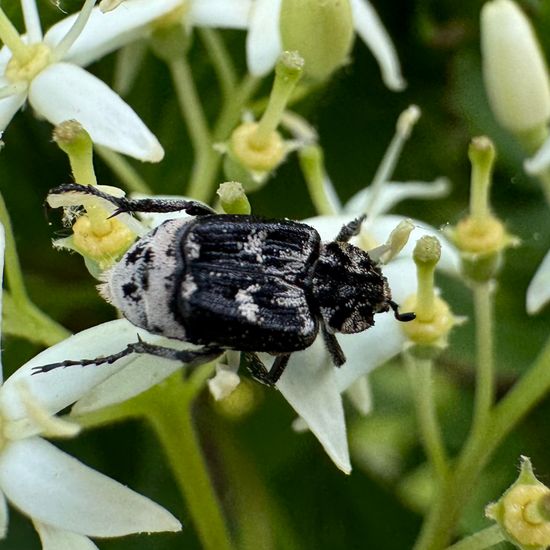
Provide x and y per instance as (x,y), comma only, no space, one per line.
(188,287)
(254,245)
(192,248)
(246,305)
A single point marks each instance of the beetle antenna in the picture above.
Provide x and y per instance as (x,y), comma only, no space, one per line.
(404,317)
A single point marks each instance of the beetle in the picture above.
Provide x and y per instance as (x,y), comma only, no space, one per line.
(239,282)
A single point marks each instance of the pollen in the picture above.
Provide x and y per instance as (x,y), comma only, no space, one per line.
(102,247)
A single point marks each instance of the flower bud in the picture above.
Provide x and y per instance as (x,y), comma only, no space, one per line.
(514,70)
(481,237)
(523,511)
(305,26)
(434,319)
(233,198)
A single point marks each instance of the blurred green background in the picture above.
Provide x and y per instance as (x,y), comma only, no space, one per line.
(278,486)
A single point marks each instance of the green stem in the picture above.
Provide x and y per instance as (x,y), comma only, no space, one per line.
(445,513)
(171,416)
(311,162)
(484,396)
(203,181)
(38,327)
(421,377)
(223,65)
(13,267)
(197,126)
(125,172)
(490,536)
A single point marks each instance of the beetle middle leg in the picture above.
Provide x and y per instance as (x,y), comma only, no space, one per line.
(261,373)
(189,357)
(350,230)
(333,347)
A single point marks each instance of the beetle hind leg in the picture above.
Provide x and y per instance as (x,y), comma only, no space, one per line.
(261,373)
(189,357)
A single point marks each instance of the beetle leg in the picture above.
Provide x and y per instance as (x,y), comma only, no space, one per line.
(333,347)
(193,208)
(190,357)
(261,373)
(350,230)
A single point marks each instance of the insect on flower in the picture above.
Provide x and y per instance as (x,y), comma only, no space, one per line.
(239,282)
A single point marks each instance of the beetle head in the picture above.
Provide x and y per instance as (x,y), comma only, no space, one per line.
(349,288)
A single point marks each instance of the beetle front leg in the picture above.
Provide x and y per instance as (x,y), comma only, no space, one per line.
(261,373)
(193,208)
(192,358)
(350,230)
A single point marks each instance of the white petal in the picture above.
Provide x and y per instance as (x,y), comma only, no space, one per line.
(143,373)
(309,385)
(55,488)
(58,539)
(393,193)
(228,14)
(59,388)
(263,42)
(8,107)
(540,161)
(106,32)
(372,31)
(538,293)
(2,250)
(360,394)
(4,516)
(63,91)
(328,227)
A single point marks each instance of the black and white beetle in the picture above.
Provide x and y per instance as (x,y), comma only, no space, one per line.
(239,282)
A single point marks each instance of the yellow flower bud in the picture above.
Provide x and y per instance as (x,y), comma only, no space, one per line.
(305,26)
(233,198)
(522,512)
(263,158)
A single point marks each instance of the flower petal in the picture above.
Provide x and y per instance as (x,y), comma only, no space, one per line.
(393,193)
(328,227)
(63,91)
(540,161)
(263,42)
(141,374)
(372,31)
(4,516)
(106,32)
(58,539)
(538,293)
(55,488)
(8,107)
(360,394)
(228,14)
(309,385)
(59,388)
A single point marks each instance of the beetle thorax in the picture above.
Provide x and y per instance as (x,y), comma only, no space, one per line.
(348,288)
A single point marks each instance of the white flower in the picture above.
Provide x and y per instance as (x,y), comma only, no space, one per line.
(66,500)
(47,71)
(264,43)
(538,293)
